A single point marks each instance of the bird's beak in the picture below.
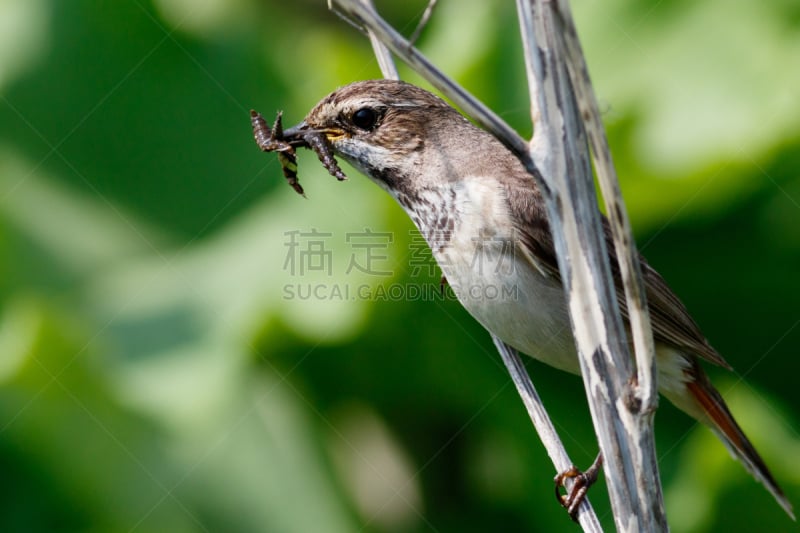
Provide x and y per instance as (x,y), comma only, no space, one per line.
(296,133)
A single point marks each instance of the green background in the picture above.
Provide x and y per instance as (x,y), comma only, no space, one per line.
(159,370)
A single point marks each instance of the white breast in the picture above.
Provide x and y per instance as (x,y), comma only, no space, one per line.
(482,261)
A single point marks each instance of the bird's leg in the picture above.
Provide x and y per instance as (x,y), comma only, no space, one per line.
(582,482)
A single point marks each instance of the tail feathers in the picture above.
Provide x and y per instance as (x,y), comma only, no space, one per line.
(727,429)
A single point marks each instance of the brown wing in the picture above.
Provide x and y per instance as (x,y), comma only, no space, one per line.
(672,324)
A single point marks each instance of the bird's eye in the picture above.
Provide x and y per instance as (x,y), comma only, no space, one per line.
(365,118)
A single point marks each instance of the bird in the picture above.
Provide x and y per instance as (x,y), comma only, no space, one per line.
(485,221)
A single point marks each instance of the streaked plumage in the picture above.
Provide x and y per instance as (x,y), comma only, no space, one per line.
(485,222)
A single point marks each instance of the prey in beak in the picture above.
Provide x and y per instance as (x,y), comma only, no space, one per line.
(285,142)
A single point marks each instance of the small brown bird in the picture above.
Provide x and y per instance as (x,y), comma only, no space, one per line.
(485,222)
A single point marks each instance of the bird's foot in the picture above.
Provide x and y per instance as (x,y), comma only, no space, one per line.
(582,482)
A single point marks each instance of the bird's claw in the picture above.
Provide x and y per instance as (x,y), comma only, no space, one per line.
(580,486)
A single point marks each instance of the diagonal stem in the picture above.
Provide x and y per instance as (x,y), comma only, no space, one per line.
(561,102)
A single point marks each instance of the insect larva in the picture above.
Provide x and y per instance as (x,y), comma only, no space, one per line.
(271,140)
(320,145)
(289,166)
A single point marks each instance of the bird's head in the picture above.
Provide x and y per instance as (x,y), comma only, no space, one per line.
(394,132)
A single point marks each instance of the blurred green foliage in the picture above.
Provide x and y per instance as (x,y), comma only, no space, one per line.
(160,369)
